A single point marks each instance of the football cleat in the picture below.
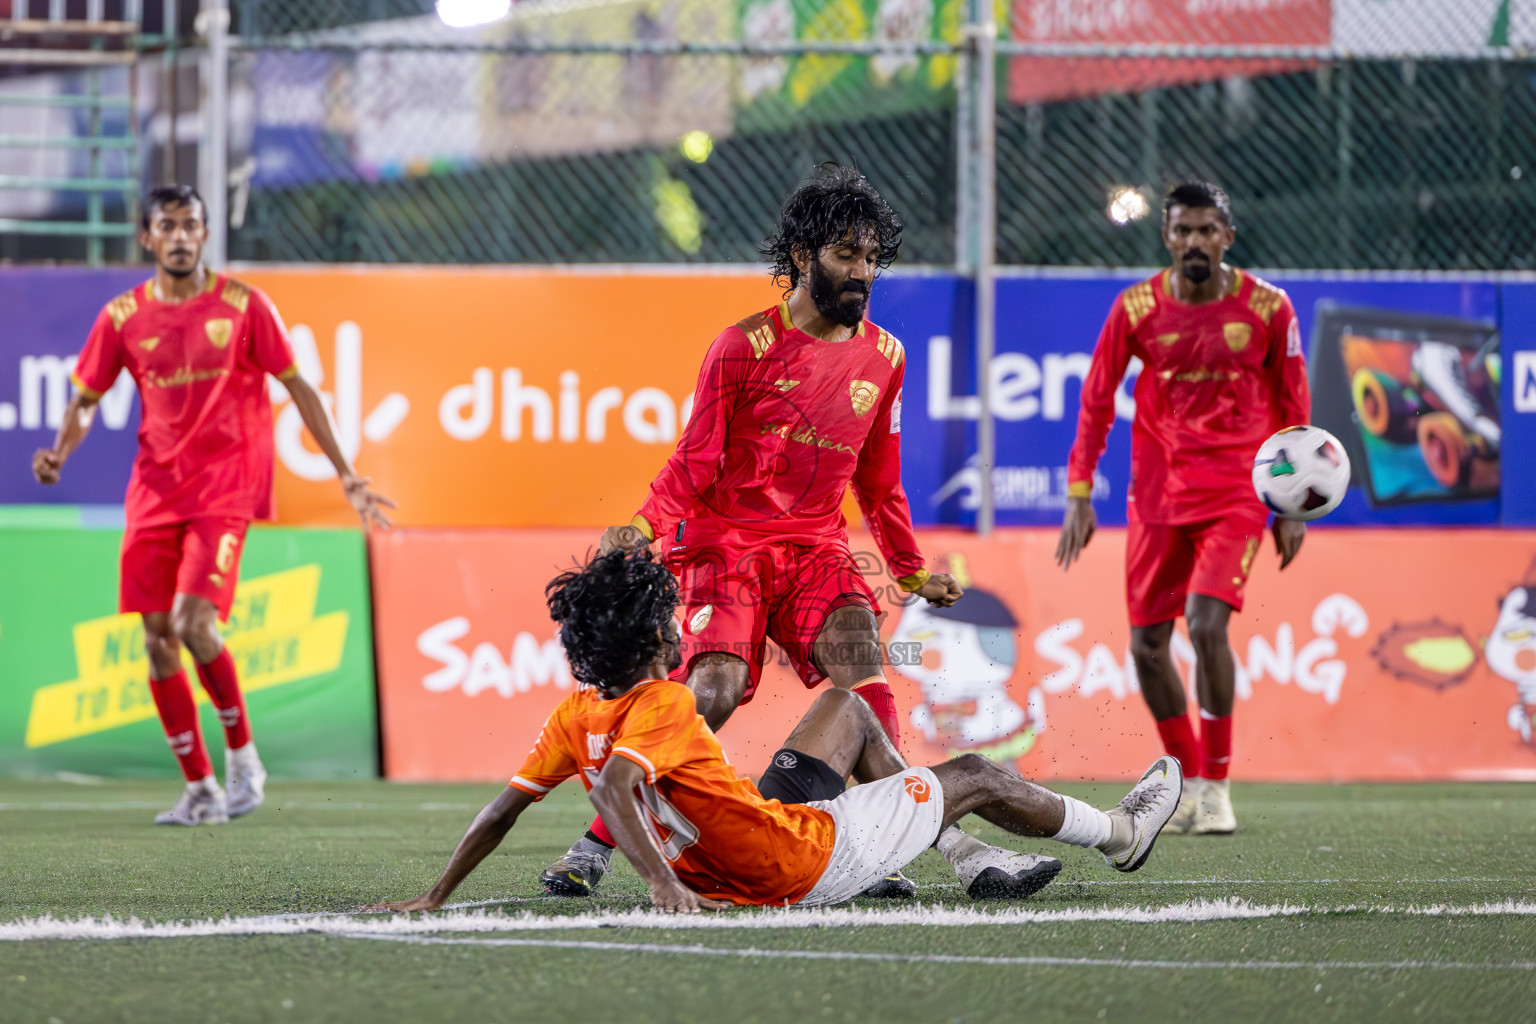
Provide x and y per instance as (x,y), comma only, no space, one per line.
(1143,813)
(201,803)
(1213,809)
(1183,820)
(1011,876)
(895,886)
(247,781)
(575,874)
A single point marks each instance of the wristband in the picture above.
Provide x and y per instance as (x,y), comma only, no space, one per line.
(1080,489)
(915,582)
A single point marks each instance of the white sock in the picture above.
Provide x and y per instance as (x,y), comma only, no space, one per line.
(245,755)
(1082,825)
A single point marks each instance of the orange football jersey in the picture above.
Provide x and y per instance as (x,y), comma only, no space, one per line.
(721,837)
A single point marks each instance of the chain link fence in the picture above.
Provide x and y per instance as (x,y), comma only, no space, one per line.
(1350,133)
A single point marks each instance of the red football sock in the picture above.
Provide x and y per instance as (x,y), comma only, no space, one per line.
(600,832)
(173,698)
(223,686)
(877,694)
(1179,740)
(1216,741)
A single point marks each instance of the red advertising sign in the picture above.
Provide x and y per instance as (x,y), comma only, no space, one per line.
(1397,655)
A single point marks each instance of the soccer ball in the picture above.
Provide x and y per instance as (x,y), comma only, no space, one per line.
(1301,473)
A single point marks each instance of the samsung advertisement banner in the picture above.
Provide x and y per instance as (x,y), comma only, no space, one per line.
(1420,379)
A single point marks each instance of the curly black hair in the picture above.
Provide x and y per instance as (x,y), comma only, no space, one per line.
(820,212)
(611,613)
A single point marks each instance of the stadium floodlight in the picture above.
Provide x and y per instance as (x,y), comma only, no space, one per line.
(1126,205)
(468,13)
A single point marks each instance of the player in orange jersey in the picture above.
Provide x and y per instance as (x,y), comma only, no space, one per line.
(794,405)
(199,345)
(703,837)
(1222,371)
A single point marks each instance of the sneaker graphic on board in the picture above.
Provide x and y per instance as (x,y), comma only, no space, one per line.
(201,803)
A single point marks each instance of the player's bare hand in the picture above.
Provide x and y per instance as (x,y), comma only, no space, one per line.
(1076,531)
(621,538)
(1289,533)
(673,897)
(941,590)
(367,503)
(46,465)
(423,902)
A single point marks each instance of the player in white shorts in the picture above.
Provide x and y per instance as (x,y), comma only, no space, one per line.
(704,837)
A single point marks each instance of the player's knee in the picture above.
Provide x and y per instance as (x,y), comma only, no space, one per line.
(852,623)
(1207,634)
(1147,647)
(194,628)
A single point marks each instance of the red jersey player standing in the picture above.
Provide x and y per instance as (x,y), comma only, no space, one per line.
(199,345)
(793,405)
(1222,370)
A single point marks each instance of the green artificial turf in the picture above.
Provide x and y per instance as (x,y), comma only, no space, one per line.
(1347,861)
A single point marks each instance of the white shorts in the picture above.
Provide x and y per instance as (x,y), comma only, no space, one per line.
(880,828)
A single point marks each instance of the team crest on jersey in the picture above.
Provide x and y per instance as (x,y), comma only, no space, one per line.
(917,788)
(1237,335)
(700,619)
(864,395)
(219,331)
(148,344)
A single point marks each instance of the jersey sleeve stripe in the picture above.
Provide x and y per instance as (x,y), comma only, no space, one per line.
(641,760)
(531,787)
(79,384)
(290,373)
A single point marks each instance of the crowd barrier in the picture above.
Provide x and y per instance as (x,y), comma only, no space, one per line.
(510,397)
(74,695)
(1405,654)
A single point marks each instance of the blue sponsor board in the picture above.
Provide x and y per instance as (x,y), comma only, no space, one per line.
(1519,402)
(47,313)
(1047,328)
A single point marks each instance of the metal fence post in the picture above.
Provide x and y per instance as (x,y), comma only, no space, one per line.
(983,38)
(213,160)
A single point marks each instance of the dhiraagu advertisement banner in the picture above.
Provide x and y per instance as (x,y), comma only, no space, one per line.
(74,694)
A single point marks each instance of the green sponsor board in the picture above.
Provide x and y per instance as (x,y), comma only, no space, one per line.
(779,92)
(74,694)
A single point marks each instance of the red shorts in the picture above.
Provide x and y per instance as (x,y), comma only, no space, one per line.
(199,557)
(1165,564)
(735,599)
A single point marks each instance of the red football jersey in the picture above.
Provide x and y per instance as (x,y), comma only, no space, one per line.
(721,837)
(205,435)
(1217,379)
(782,424)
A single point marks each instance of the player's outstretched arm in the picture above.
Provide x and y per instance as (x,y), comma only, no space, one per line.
(1076,531)
(368,504)
(614,798)
(48,463)
(490,827)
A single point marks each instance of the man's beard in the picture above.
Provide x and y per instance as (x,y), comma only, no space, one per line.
(176,272)
(829,297)
(1197,269)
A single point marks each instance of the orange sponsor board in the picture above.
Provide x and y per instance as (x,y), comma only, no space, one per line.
(468,393)
(1378,655)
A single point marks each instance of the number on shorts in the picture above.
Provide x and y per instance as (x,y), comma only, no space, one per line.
(674,833)
(225,559)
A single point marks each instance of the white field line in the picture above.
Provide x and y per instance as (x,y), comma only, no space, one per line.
(480,921)
(944,958)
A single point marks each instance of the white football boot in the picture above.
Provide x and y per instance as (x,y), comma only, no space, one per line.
(246,778)
(201,803)
(1183,820)
(1213,809)
(1137,819)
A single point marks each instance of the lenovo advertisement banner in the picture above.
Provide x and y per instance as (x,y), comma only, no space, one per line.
(75,695)
(1378,655)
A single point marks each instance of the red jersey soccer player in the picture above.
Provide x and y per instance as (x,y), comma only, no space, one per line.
(793,405)
(1222,370)
(199,345)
